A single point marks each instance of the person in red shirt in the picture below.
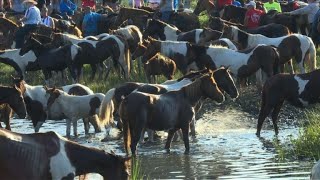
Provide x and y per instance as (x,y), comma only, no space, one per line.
(252,16)
(90,3)
(222,3)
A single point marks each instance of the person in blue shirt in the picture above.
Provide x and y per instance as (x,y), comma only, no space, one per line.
(90,21)
(31,19)
(67,7)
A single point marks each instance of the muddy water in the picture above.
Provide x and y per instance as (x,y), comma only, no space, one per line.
(225,148)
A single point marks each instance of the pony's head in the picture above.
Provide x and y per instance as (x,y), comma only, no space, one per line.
(153,28)
(210,88)
(216,23)
(152,49)
(225,82)
(53,95)
(29,44)
(202,5)
(20,83)
(140,50)
(208,35)
(16,102)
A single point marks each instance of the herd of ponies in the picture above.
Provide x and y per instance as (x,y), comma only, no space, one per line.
(214,62)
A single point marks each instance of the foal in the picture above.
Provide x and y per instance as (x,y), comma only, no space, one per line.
(75,107)
(159,65)
(299,90)
(169,111)
(49,156)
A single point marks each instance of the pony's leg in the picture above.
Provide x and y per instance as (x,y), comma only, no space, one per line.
(86,125)
(63,77)
(274,116)
(150,135)
(169,139)
(259,80)
(75,131)
(141,140)
(291,66)
(185,134)
(281,67)
(93,70)
(68,128)
(301,67)
(264,112)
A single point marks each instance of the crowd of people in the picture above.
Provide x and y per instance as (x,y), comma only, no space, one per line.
(33,15)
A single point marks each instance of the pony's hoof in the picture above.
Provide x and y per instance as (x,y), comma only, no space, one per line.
(167,151)
(186,152)
(258,134)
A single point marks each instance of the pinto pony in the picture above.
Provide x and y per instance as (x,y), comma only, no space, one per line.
(50,156)
(164,31)
(159,65)
(299,90)
(295,46)
(241,63)
(169,111)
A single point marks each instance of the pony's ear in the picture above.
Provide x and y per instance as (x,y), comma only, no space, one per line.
(112,152)
(45,88)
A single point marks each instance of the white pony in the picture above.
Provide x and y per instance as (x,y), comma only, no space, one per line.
(75,107)
(288,46)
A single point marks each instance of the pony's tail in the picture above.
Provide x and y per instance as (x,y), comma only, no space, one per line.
(127,57)
(276,64)
(126,125)
(312,57)
(107,108)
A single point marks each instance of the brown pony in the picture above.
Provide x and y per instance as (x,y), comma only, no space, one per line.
(299,90)
(234,13)
(169,111)
(204,5)
(50,156)
(13,97)
(159,65)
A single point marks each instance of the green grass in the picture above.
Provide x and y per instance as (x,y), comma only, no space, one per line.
(136,171)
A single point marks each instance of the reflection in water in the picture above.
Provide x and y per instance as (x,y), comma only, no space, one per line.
(221,151)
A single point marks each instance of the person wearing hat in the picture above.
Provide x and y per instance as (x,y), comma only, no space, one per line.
(90,22)
(30,20)
(252,16)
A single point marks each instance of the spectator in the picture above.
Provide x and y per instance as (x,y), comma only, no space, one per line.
(252,16)
(46,19)
(166,8)
(272,5)
(67,7)
(311,9)
(138,3)
(31,19)
(222,3)
(90,21)
(236,3)
(90,3)
(17,6)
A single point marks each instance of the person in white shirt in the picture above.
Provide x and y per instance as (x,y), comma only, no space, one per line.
(31,19)
(46,19)
(311,9)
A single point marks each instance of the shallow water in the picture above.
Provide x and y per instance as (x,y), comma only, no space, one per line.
(225,148)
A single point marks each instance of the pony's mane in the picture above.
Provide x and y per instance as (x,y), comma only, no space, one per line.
(8,21)
(193,88)
(218,46)
(165,24)
(70,36)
